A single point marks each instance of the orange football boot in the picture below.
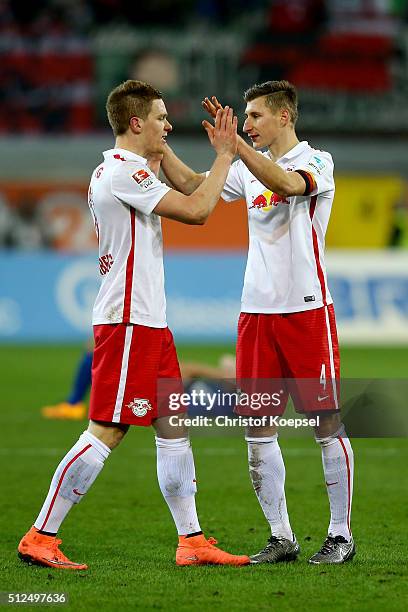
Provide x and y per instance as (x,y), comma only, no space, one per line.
(199,551)
(38,549)
(64,410)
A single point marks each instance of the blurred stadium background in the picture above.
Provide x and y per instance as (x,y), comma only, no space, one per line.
(58,61)
(60,58)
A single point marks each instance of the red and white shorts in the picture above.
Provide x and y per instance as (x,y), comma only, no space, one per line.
(292,353)
(128,364)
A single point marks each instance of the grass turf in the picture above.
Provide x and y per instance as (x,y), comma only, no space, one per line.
(124,530)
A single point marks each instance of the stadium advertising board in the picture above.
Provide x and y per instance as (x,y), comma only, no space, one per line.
(49,296)
(60,212)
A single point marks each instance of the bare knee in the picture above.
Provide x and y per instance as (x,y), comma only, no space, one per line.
(110,434)
(328,425)
(170,427)
(261,432)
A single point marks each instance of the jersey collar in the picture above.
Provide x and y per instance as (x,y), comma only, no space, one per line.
(292,153)
(125,155)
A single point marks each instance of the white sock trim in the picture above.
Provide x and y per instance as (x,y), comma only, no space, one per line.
(100,446)
(333,437)
(172,443)
(265,440)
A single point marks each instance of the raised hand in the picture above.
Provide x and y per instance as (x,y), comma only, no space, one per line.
(223,134)
(211,105)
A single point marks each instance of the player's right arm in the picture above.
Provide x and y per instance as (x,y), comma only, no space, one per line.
(195,208)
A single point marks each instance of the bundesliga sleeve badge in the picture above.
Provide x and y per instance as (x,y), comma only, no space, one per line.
(143,178)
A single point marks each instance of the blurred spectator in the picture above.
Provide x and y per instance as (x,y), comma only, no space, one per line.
(157,67)
(6,221)
(161,68)
(59,58)
(45,67)
(26,230)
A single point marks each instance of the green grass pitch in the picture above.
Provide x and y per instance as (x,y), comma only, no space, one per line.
(124,531)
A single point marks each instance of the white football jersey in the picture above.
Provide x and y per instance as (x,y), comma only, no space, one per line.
(122,195)
(285,270)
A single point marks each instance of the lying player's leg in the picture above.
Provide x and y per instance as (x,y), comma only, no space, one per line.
(71,481)
(74,407)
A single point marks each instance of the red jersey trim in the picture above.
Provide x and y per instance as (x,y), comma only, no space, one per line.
(129,270)
(319,269)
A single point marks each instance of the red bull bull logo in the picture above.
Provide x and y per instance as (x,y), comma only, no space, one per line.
(266,200)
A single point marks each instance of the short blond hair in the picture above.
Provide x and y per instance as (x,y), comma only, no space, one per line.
(279,95)
(127,100)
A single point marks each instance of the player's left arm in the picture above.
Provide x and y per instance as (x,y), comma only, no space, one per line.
(181,176)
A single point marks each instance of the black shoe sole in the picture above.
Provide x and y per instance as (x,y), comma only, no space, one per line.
(28,559)
(287,559)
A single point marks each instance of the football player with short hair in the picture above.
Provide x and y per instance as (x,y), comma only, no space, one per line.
(133,346)
(287,330)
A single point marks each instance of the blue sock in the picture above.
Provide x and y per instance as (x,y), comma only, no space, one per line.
(82,380)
